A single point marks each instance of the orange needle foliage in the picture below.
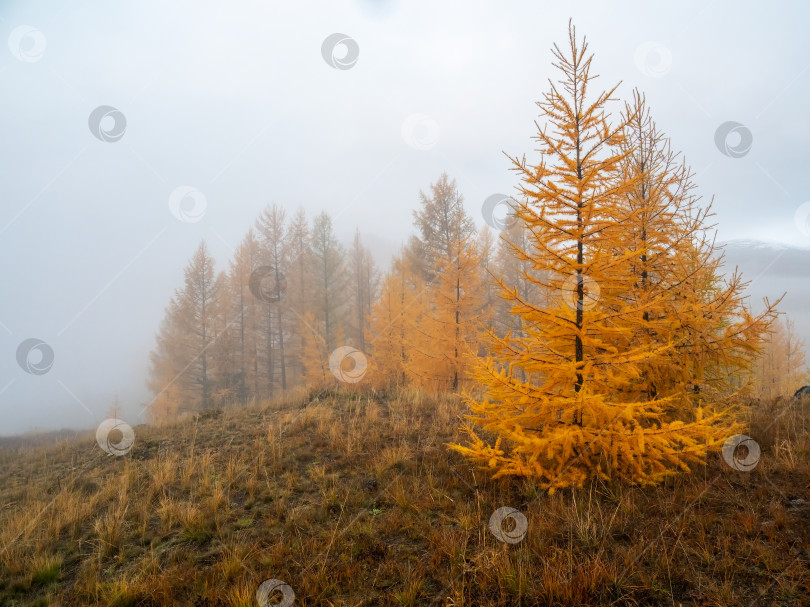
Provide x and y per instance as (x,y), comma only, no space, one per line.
(595,383)
(714,337)
(390,324)
(449,321)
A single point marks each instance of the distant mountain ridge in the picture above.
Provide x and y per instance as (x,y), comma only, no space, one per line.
(773,269)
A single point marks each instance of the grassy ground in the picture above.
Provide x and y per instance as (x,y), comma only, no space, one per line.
(355,500)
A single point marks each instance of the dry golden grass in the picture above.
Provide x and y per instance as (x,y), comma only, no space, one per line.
(353,499)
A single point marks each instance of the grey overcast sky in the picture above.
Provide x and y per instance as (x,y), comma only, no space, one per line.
(236,102)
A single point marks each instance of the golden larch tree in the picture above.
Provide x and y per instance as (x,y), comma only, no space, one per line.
(580,412)
(445,322)
(390,324)
(678,281)
(271,228)
(363,282)
(298,297)
(167,364)
(248,315)
(782,366)
(181,363)
(447,317)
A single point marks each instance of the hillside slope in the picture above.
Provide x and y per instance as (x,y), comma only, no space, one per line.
(355,500)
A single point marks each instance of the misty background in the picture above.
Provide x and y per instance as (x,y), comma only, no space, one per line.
(237,101)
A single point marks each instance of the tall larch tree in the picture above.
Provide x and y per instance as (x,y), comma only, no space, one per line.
(577,415)
(247,311)
(168,361)
(448,318)
(224,366)
(363,280)
(197,320)
(677,275)
(486,247)
(271,228)
(297,299)
(441,222)
(328,278)
(180,363)
(391,323)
